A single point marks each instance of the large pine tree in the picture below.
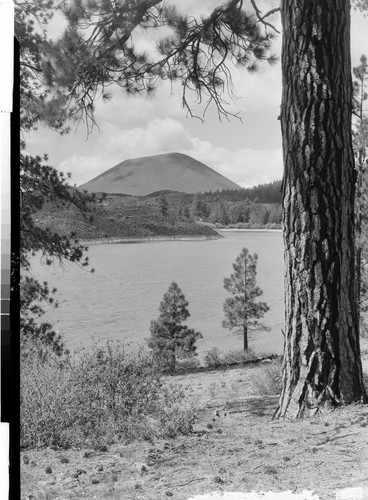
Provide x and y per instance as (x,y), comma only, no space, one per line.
(321,357)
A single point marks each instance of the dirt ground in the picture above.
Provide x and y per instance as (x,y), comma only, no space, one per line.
(235,446)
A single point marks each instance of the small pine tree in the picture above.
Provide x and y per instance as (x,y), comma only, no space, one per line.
(171,339)
(241,310)
(163,205)
(199,208)
(183,211)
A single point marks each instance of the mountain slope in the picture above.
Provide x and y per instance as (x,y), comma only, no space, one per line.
(172,171)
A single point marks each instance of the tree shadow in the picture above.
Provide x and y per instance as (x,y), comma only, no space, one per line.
(258,406)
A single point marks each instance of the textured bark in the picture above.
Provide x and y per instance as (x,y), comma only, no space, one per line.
(322,355)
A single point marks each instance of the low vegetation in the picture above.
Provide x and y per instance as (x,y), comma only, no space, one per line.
(97,397)
(234,446)
(269,382)
(215,358)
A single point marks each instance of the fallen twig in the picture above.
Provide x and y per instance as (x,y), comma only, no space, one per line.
(328,439)
(252,471)
(162,460)
(291,465)
(117,457)
(186,482)
(181,468)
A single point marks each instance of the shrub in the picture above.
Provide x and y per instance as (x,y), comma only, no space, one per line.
(239,356)
(176,415)
(45,395)
(269,379)
(188,364)
(96,397)
(213,358)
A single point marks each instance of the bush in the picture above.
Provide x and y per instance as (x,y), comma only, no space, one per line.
(98,396)
(239,356)
(213,358)
(45,396)
(269,380)
(188,364)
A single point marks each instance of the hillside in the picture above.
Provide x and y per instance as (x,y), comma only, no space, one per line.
(160,214)
(172,171)
(117,216)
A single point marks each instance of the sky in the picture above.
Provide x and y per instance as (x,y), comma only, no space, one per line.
(247,151)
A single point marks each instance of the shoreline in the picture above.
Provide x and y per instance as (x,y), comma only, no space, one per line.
(264,230)
(153,239)
(149,239)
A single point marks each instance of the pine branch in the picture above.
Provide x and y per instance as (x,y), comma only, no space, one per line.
(262,18)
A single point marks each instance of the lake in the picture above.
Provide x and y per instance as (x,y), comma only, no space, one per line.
(120,299)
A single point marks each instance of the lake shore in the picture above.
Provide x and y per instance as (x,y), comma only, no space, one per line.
(241,230)
(149,239)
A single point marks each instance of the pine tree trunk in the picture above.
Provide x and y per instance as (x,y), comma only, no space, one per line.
(322,355)
(245,337)
(172,360)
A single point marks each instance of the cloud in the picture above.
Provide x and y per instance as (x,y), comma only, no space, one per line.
(116,144)
(133,126)
(84,168)
(131,110)
(244,166)
(159,135)
(247,167)
(359,28)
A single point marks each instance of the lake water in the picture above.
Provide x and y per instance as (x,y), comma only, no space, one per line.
(120,299)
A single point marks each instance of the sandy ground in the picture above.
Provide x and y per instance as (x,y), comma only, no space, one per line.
(344,494)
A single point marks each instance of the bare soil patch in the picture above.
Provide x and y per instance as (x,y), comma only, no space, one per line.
(235,446)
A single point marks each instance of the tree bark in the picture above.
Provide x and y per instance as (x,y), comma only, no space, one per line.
(321,355)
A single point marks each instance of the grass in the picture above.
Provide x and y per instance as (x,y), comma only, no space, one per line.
(97,397)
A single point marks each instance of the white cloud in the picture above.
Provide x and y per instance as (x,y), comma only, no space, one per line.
(159,135)
(359,28)
(244,166)
(84,168)
(130,110)
(116,144)
(247,167)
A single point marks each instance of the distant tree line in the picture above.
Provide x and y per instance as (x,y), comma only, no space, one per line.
(263,193)
(228,207)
